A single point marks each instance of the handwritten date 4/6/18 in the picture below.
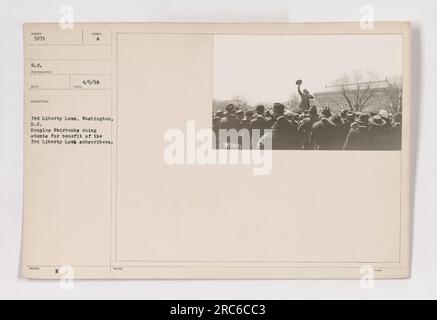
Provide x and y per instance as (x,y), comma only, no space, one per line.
(219,310)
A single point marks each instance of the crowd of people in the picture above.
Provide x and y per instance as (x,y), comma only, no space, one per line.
(312,129)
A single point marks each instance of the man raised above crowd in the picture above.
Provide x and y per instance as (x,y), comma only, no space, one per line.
(305,97)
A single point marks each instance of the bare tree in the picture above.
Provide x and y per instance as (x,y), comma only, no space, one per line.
(394,93)
(240,102)
(293,102)
(356,91)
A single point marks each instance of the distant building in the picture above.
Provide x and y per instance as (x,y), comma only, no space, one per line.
(381,97)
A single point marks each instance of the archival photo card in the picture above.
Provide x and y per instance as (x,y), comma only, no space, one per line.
(217,151)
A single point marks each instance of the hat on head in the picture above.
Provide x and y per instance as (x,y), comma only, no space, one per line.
(260,109)
(384,114)
(219,113)
(279,107)
(299,82)
(326,112)
(350,116)
(230,108)
(377,121)
(363,119)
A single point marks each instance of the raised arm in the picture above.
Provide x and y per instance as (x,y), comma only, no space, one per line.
(300,91)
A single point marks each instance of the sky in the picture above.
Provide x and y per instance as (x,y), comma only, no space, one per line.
(264,68)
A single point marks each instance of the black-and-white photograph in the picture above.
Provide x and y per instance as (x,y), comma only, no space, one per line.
(308,92)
